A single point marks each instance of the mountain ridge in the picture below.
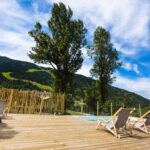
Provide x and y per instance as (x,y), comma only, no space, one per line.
(26,75)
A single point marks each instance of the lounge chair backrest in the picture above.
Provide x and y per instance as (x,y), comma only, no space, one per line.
(122,118)
(1,108)
(147,122)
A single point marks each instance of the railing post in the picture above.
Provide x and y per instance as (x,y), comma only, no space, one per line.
(10,100)
(140,113)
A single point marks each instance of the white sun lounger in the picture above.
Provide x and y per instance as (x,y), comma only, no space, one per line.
(143,123)
(118,124)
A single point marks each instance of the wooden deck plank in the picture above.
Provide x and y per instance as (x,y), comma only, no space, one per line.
(27,132)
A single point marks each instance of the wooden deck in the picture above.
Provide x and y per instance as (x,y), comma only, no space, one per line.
(36,132)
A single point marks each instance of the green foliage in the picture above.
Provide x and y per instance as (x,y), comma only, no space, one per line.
(70,112)
(79,103)
(85,88)
(41,77)
(40,86)
(92,96)
(117,97)
(33,70)
(16,84)
(106,60)
(62,48)
(8,75)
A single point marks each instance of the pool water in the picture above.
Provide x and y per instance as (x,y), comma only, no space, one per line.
(94,118)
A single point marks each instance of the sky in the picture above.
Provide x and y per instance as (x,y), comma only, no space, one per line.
(128,22)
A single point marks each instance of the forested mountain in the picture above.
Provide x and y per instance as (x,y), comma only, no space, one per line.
(25,75)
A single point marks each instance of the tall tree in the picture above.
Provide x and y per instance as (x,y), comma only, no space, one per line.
(106,60)
(61,48)
(92,97)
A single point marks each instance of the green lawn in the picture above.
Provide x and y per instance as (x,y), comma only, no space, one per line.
(8,76)
(70,112)
(33,70)
(44,70)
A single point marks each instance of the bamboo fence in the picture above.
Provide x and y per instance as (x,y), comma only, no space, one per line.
(31,102)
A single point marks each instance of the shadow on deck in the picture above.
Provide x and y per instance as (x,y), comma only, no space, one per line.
(6,132)
(45,132)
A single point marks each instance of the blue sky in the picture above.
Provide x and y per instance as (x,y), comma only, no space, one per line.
(127,21)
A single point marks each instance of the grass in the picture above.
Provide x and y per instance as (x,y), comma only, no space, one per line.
(32,70)
(7,75)
(41,86)
(70,112)
(44,70)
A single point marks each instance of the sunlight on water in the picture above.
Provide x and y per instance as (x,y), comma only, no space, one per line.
(94,118)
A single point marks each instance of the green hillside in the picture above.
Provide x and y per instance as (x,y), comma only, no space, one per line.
(25,75)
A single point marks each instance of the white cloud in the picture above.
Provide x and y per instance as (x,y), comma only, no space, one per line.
(15,38)
(11,9)
(87,64)
(40,16)
(136,69)
(131,67)
(85,70)
(140,86)
(17,53)
(15,24)
(124,50)
(127,66)
(127,20)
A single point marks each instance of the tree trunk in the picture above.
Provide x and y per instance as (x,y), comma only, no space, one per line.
(81,108)
(102,90)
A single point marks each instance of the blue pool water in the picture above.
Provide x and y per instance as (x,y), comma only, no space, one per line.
(94,118)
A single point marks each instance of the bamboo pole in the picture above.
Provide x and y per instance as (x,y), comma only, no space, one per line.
(10,100)
(41,106)
(97,108)
(20,101)
(63,103)
(26,102)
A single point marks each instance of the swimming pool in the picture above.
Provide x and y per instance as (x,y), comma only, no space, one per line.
(93,118)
